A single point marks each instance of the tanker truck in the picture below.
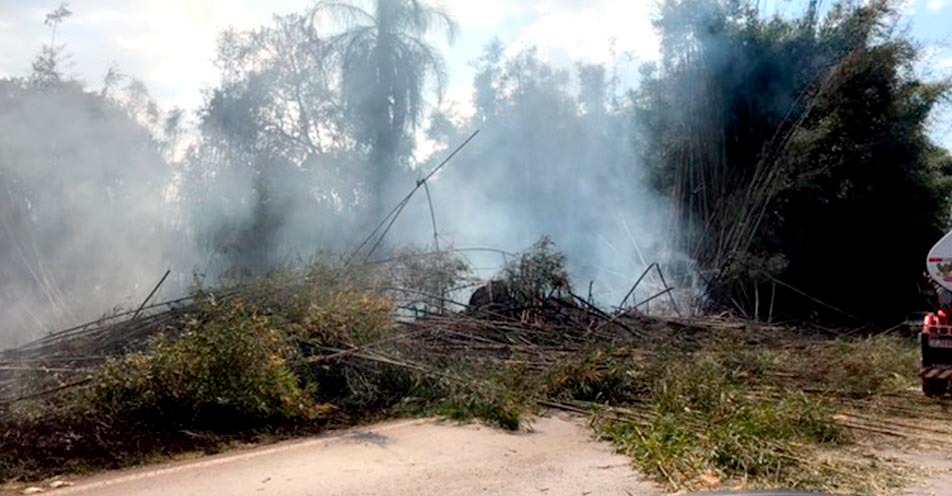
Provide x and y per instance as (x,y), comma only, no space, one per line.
(936,336)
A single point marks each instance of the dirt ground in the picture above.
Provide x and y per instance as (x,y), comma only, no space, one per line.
(920,439)
(556,456)
(935,470)
(419,457)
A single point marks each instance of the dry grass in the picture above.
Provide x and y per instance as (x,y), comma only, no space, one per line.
(727,411)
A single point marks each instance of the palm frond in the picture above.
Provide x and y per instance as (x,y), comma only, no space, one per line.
(429,57)
(384,64)
(344,14)
(440,18)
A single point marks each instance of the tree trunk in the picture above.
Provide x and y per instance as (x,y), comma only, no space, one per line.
(384,162)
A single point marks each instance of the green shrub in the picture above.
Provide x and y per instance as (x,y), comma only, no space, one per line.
(228,372)
(537,274)
(429,278)
(343,318)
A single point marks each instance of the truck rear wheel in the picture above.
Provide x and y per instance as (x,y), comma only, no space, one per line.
(935,388)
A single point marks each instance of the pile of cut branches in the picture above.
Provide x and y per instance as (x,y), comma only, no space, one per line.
(694,402)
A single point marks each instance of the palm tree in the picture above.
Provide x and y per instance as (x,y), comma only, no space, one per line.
(385,63)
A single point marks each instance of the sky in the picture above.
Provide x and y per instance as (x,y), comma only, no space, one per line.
(170,44)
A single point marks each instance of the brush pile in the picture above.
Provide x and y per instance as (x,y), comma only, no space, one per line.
(695,402)
(539,308)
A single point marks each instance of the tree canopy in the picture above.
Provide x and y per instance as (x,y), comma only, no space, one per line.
(777,167)
(84,212)
(384,62)
(797,152)
(317,115)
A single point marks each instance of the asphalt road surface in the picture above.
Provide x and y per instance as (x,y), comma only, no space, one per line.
(416,457)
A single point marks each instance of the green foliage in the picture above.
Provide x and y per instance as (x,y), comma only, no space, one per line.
(796,139)
(597,378)
(856,368)
(231,370)
(537,274)
(704,420)
(731,410)
(226,373)
(871,367)
(430,278)
(470,390)
(726,406)
(349,317)
(492,404)
(860,368)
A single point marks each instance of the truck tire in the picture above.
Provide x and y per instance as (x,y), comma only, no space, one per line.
(927,388)
(935,388)
(927,358)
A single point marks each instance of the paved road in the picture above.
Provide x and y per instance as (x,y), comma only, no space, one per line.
(398,458)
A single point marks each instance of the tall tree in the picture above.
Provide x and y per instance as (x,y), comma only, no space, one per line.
(47,65)
(384,63)
(85,218)
(276,170)
(796,150)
